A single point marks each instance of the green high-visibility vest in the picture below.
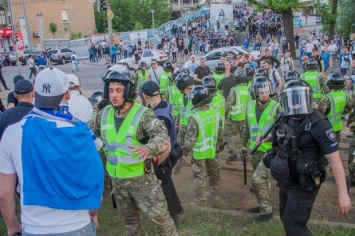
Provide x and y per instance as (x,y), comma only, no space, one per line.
(185,111)
(265,121)
(205,145)
(142,78)
(217,77)
(238,111)
(312,78)
(338,101)
(163,81)
(122,161)
(174,95)
(218,103)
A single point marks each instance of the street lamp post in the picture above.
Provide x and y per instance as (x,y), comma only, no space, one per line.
(152,11)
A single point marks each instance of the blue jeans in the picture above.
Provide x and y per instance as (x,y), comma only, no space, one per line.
(276,51)
(32,71)
(88,230)
(343,71)
(113,58)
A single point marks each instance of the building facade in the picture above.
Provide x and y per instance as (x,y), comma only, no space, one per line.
(70,16)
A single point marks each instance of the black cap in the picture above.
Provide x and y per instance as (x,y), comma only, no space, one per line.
(150,88)
(232,69)
(23,87)
(17,78)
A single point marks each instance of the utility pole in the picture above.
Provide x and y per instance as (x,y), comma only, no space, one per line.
(40,27)
(109,21)
(27,26)
(14,42)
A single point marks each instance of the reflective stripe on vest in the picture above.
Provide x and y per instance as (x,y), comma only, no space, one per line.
(142,78)
(338,101)
(208,123)
(185,111)
(163,81)
(174,95)
(265,121)
(122,161)
(218,103)
(312,78)
(218,77)
(239,109)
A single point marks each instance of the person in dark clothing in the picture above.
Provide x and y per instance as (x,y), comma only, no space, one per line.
(24,94)
(11,99)
(2,79)
(227,83)
(201,71)
(164,167)
(272,58)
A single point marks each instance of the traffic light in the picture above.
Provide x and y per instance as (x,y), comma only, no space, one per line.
(16,37)
(102,5)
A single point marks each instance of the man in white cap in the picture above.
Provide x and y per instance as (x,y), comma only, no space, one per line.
(59,171)
(79,106)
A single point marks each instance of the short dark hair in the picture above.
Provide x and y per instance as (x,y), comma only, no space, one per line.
(268,61)
(224,55)
(231,52)
(235,57)
(240,64)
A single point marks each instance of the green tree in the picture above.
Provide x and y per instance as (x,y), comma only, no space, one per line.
(131,13)
(346,21)
(53,28)
(284,8)
(138,26)
(328,14)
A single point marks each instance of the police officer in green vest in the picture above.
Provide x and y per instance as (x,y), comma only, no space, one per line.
(164,78)
(219,71)
(184,83)
(236,110)
(335,103)
(291,75)
(173,94)
(142,74)
(250,73)
(261,113)
(132,134)
(316,80)
(203,137)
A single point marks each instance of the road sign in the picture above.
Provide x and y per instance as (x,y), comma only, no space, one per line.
(110,14)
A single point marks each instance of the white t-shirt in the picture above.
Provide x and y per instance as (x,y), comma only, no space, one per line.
(286,63)
(309,47)
(80,107)
(155,76)
(332,48)
(36,219)
(274,80)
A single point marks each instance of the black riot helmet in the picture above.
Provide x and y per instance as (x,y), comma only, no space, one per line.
(311,65)
(261,72)
(124,77)
(210,83)
(262,85)
(240,76)
(142,64)
(200,95)
(185,70)
(292,75)
(249,70)
(183,81)
(168,67)
(98,101)
(296,99)
(335,81)
(220,68)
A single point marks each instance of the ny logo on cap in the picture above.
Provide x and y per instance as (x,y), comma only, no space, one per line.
(46,88)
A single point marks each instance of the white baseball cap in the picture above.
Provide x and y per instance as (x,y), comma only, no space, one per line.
(50,86)
(73,80)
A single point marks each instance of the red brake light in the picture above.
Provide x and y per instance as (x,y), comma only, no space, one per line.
(160,57)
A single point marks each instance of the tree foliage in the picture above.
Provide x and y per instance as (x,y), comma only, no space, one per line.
(130,14)
(53,28)
(346,20)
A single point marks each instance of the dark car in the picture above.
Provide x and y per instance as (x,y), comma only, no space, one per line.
(6,60)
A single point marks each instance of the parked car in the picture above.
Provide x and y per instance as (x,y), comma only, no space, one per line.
(12,58)
(147,57)
(61,55)
(214,56)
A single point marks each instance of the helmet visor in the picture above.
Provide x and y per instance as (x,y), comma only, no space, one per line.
(262,89)
(297,101)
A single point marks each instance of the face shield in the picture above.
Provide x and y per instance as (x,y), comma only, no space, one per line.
(263,90)
(297,101)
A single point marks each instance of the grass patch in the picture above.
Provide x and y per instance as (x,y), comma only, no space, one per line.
(198,222)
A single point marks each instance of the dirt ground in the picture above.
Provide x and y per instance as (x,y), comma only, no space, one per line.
(234,195)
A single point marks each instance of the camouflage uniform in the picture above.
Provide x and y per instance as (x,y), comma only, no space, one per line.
(144,193)
(261,174)
(232,127)
(324,107)
(351,125)
(202,168)
(324,86)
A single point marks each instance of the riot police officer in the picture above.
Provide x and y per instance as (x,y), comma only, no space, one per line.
(219,71)
(164,77)
(142,74)
(291,75)
(303,143)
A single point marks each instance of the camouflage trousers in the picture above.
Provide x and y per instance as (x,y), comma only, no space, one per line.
(316,102)
(261,183)
(233,128)
(204,170)
(351,153)
(143,194)
(107,177)
(181,140)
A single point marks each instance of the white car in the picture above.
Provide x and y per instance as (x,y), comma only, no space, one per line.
(214,56)
(147,56)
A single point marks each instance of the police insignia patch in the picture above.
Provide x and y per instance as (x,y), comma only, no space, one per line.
(330,134)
